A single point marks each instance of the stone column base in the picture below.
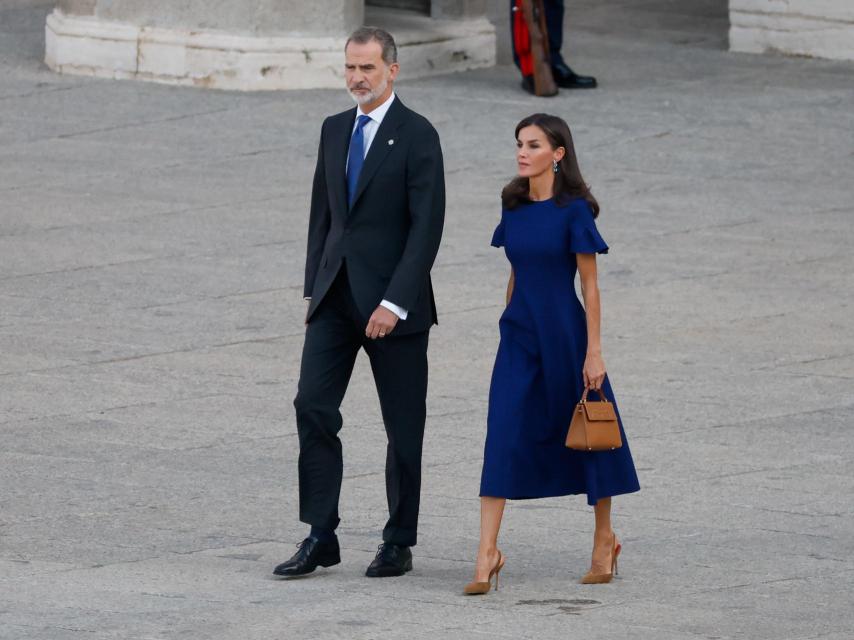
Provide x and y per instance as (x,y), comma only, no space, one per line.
(85,45)
(799,27)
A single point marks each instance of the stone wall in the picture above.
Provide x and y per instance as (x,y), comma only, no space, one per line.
(255,44)
(819,28)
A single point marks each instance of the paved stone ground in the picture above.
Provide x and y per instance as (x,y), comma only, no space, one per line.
(151,243)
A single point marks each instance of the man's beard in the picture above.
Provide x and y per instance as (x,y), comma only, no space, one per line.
(370,96)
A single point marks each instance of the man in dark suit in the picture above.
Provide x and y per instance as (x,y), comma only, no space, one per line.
(377,212)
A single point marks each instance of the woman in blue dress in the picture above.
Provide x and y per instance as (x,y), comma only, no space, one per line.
(549,352)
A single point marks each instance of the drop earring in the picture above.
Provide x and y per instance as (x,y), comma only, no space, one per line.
(554,166)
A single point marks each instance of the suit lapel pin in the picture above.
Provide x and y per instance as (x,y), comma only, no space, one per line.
(391,141)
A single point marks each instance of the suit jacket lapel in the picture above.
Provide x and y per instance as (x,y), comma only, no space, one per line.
(339,146)
(380,147)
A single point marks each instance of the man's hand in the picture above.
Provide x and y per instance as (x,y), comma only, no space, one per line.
(381,324)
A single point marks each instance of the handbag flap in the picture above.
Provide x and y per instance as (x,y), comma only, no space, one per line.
(597,411)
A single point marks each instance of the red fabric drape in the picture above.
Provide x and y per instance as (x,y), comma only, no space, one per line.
(522,41)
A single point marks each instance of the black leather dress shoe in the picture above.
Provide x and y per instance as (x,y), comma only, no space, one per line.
(391,560)
(312,554)
(568,79)
(528,84)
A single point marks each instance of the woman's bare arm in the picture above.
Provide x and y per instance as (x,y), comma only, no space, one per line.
(594,366)
(510,284)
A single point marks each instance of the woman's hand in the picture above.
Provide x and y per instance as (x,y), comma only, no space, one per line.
(594,371)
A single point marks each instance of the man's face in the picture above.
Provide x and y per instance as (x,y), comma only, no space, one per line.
(366,73)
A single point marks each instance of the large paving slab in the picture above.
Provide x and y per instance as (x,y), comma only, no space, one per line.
(151,249)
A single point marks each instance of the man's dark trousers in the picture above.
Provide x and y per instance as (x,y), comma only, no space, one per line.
(399,364)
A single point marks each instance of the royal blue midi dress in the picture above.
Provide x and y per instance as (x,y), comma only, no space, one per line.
(537,379)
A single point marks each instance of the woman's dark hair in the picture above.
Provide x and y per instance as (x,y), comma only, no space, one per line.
(568,181)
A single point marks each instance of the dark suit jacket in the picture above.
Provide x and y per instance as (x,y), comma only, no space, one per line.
(390,236)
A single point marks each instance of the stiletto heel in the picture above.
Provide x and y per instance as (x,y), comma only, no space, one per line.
(480,588)
(604,578)
(498,569)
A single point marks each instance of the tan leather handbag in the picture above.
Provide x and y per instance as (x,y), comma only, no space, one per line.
(594,426)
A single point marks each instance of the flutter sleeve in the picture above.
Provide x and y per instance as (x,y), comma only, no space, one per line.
(498,235)
(583,235)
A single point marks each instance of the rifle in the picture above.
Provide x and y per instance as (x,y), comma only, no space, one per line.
(532,45)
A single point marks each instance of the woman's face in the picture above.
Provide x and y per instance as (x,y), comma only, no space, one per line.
(534,154)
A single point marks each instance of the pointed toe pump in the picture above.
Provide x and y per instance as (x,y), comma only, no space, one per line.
(481,588)
(604,578)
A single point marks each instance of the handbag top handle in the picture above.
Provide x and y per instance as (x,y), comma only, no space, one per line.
(602,397)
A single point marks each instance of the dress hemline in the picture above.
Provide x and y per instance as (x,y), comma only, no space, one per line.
(561,494)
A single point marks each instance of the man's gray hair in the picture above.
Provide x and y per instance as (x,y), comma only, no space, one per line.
(363,35)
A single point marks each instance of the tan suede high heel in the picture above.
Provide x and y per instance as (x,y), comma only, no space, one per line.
(604,578)
(480,588)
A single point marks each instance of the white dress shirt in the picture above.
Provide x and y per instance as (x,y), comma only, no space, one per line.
(369,131)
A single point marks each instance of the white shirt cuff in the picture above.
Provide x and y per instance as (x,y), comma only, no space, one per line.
(398,311)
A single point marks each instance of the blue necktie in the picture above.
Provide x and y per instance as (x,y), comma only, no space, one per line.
(356,158)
